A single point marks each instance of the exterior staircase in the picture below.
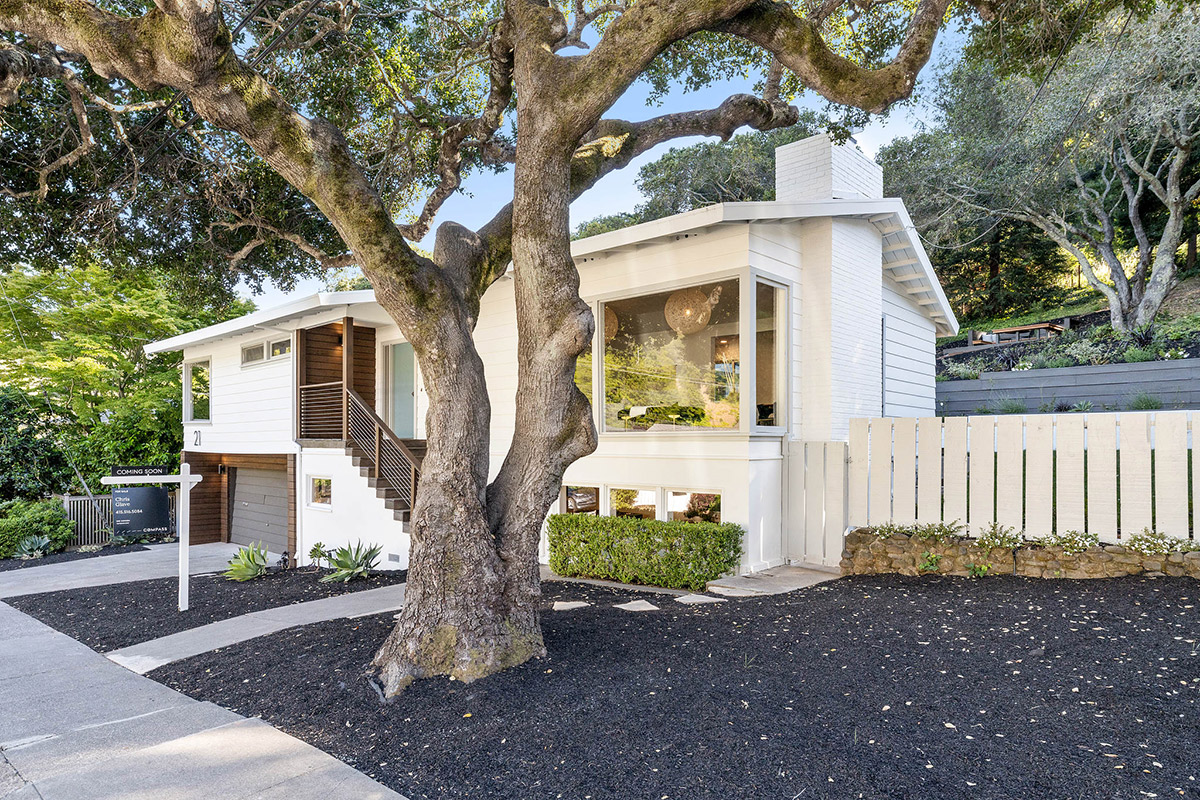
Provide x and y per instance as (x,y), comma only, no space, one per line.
(391,465)
(397,500)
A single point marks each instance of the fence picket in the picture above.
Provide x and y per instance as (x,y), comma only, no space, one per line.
(1010,457)
(814,509)
(954,470)
(1171,473)
(835,502)
(1137,512)
(982,473)
(880,503)
(860,455)
(929,469)
(1039,475)
(1102,476)
(904,471)
(1069,473)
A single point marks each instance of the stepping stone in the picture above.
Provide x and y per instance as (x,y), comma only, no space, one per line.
(569,605)
(637,605)
(698,599)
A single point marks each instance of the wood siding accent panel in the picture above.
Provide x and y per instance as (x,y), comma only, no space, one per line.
(211,498)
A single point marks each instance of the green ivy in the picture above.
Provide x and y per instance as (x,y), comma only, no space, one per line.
(675,555)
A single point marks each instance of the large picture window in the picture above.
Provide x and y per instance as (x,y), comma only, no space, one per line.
(198,392)
(672,360)
(768,354)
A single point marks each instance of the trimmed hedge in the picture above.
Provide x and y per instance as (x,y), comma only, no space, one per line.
(675,555)
(21,518)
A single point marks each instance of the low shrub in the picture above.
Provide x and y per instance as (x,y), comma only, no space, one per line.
(1000,537)
(249,563)
(961,371)
(1135,355)
(352,562)
(1152,543)
(1073,542)
(939,532)
(34,546)
(22,518)
(1144,401)
(675,555)
(1011,406)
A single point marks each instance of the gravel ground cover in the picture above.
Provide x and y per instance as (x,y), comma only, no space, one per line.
(7,564)
(121,614)
(870,686)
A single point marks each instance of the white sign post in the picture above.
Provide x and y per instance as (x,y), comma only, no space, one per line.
(186,481)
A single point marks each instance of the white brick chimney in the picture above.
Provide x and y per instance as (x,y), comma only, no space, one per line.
(817,169)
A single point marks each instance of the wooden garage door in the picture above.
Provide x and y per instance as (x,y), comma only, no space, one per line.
(260,508)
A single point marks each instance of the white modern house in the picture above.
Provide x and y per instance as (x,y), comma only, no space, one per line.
(725,335)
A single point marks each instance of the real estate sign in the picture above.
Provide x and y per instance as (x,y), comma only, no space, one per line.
(141,470)
(141,510)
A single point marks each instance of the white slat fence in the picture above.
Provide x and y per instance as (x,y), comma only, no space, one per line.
(1109,474)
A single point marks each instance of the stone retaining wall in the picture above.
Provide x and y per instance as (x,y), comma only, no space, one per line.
(867,554)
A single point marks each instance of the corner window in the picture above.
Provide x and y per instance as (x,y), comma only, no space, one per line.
(768,355)
(685,506)
(633,503)
(281,348)
(672,360)
(197,388)
(581,500)
(320,492)
(252,354)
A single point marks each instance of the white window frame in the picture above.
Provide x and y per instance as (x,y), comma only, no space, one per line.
(266,345)
(188,412)
(666,495)
(308,493)
(741,275)
(783,345)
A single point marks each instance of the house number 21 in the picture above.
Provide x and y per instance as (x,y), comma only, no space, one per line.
(196,439)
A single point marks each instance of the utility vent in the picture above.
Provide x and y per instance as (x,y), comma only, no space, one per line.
(394,557)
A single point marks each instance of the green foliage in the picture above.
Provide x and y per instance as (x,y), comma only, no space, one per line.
(930,562)
(352,562)
(46,519)
(1135,355)
(1081,407)
(999,537)
(32,546)
(677,555)
(1011,405)
(77,353)
(1153,543)
(978,570)
(962,371)
(939,532)
(1072,542)
(249,563)
(1144,401)
(31,461)
(319,553)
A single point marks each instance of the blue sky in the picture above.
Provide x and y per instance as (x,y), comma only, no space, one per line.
(485,194)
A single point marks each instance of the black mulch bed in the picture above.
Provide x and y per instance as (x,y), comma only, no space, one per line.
(7,564)
(121,614)
(874,687)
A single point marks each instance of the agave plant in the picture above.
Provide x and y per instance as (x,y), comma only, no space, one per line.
(352,562)
(249,563)
(32,546)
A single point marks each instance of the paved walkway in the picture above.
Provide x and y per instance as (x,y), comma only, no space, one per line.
(76,726)
(141,658)
(776,580)
(159,561)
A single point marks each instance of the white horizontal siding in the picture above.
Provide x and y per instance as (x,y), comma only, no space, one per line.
(909,341)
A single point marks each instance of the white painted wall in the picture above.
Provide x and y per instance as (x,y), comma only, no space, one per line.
(909,342)
(356,513)
(252,406)
(856,373)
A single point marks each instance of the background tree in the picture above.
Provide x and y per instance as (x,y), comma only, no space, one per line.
(1100,156)
(31,462)
(398,101)
(71,342)
(738,170)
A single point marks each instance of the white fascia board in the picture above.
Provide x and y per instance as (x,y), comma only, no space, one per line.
(265,318)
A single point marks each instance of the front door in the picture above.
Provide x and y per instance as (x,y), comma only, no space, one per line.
(402,390)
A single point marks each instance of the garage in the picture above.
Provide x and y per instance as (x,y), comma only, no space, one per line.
(259,511)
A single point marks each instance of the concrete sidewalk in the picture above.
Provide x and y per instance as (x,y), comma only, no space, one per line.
(141,658)
(78,727)
(159,561)
(776,580)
